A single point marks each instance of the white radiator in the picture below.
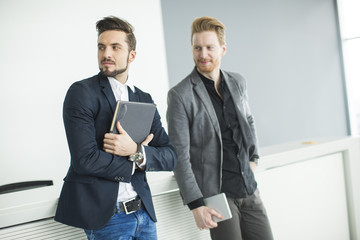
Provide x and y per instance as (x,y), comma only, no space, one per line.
(175,222)
(46,229)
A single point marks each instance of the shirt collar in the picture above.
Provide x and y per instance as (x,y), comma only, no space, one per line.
(115,83)
(209,82)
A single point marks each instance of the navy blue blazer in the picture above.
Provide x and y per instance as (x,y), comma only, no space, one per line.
(90,188)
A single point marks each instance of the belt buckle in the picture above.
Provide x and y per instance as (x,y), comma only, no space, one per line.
(125,208)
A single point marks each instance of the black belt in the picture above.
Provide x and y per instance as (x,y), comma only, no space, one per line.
(130,206)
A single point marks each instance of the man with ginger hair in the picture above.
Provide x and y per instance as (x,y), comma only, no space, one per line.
(213,131)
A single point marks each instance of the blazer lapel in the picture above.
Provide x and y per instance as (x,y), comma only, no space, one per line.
(106,89)
(235,92)
(133,96)
(238,97)
(201,91)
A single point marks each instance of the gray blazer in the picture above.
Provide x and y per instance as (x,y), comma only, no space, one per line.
(194,130)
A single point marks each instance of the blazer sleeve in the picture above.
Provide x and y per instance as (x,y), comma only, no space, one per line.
(160,154)
(179,133)
(84,126)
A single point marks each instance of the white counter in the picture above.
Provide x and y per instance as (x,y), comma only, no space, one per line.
(311,191)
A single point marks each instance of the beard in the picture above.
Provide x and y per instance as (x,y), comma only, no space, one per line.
(206,68)
(107,73)
(105,70)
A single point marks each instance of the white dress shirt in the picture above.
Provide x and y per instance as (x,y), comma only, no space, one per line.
(126,190)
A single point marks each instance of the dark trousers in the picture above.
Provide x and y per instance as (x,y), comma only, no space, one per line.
(249,221)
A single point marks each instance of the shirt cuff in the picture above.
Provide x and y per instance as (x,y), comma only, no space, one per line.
(255,160)
(196,203)
(133,170)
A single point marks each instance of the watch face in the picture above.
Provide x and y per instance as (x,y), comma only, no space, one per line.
(140,156)
(136,157)
(131,158)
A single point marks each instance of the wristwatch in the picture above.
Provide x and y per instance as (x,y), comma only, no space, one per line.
(138,156)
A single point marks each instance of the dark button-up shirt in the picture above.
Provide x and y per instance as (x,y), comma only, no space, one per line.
(232,181)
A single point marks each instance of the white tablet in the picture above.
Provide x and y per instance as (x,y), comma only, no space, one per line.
(220,204)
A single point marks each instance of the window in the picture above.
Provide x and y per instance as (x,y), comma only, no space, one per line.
(349,19)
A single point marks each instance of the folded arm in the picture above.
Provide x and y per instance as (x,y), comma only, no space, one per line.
(84,137)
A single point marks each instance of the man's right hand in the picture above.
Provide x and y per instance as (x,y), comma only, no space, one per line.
(119,144)
(204,217)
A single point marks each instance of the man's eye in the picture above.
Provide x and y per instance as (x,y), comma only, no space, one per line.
(101,48)
(116,47)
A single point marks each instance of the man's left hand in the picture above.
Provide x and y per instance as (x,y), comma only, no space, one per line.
(253,165)
(148,139)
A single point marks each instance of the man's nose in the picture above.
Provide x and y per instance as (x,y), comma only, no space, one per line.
(107,53)
(203,53)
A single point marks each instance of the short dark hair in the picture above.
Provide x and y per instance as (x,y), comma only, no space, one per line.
(114,23)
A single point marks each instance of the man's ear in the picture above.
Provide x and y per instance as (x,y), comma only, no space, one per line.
(223,49)
(132,56)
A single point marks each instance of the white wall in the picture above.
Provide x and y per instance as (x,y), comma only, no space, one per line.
(288,51)
(45,46)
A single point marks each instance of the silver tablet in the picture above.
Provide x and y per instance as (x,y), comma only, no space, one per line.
(220,204)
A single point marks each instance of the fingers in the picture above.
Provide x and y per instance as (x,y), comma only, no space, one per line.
(208,224)
(216,214)
(204,217)
(109,136)
(110,142)
(108,150)
(109,145)
(148,139)
(120,129)
(208,221)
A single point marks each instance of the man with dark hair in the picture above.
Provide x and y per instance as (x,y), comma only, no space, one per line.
(105,191)
(213,131)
